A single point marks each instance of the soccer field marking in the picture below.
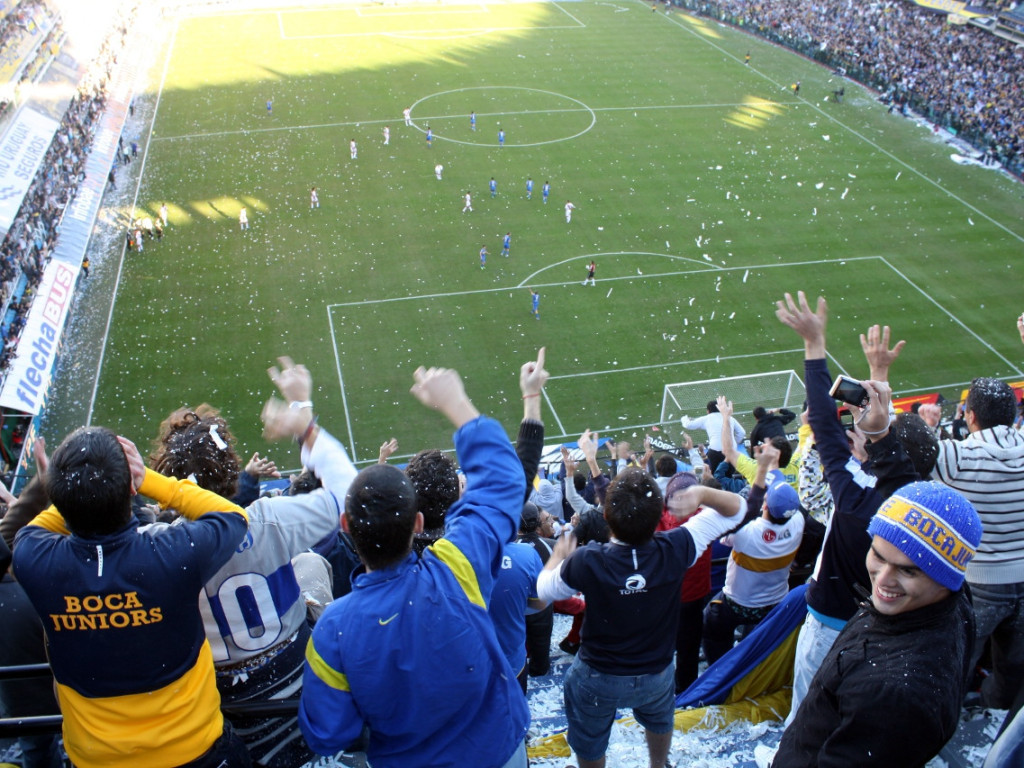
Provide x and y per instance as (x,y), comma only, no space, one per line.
(838,365)
(852,131)
(341,387)
(452,33)
(563,10)
(124,245)
(707,268)
(447,9)
(593,117)
(509,288)
(552,411)
(388,120)
(444,33)
(660,366)
(1013,367)
(586,256)
(919,174)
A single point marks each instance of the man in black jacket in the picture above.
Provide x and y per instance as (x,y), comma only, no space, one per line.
(897,457)
(769,424)
(889,691)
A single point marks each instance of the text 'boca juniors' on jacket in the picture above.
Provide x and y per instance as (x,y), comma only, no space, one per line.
(133,669)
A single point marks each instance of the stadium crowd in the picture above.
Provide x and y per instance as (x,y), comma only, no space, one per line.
(960,77)
(18,22)
(338,618)
(32,236)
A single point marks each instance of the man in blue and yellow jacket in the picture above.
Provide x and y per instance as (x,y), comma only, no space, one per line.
(133,670)
(411,653)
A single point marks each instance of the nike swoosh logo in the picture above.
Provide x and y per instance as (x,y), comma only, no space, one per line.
(387,621)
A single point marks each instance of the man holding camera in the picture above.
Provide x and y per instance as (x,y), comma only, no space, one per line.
(840,575)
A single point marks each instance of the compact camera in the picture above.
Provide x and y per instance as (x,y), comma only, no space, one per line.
(849,391)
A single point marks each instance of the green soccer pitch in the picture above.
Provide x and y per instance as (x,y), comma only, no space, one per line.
(704,189)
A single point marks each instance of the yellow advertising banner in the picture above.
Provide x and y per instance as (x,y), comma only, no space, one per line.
(952,7)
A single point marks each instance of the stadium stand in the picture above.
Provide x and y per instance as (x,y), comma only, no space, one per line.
(55,155)
(960,77)
(1010,23)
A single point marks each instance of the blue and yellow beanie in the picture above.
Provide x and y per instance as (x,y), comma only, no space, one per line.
(934,526)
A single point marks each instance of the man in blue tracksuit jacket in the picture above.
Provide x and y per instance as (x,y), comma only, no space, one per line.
(411,653)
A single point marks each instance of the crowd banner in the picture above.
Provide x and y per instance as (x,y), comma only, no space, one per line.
(80,216)
(22,149)
(954,8)
(28,379)
(29,375)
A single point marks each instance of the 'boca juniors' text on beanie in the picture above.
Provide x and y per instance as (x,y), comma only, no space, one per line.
(934,526)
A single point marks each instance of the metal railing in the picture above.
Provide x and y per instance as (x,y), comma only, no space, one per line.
(13,727)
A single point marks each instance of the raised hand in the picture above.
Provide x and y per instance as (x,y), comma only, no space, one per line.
(873,420)
(293,381)
(725,408)
(260,467)
(135,463)
(810,324)
(387,448)
(442,390)
(880,357)
(532,375)
(588,444)
(281,421)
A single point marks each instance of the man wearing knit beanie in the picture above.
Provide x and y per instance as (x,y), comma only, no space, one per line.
(889,691)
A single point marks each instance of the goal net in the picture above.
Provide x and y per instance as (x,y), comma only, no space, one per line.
(779,389)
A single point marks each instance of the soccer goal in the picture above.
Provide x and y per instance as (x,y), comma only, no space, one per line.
(779,389)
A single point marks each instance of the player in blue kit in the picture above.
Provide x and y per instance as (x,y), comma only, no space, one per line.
(493,187)
(506,244)
(529,188)
(545,191)
(483,257)
(501,137)
(536,303)
(472,121)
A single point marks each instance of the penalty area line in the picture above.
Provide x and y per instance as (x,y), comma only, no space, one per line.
(341,386)
(677,364)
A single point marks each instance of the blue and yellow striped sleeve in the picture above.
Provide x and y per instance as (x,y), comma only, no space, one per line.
(328,716)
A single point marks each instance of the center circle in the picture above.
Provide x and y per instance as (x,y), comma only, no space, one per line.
(529,117)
